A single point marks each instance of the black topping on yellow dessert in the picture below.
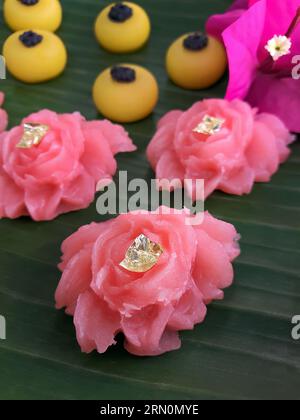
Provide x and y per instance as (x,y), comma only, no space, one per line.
(120,12)
(30,39)
(123,74)
(196,42)
(29,2)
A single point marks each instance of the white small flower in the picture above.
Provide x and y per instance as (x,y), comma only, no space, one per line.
(279,46)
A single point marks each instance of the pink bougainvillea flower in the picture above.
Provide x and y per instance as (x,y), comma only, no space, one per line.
(150,307)
(265,81)
(3,115)
(60,174)
(247,147)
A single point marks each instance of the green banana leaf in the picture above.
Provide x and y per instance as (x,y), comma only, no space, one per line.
(244,350)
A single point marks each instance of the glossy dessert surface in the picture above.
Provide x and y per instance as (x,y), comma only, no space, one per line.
(35,56)
(125,93)
(39,14)
(196,61)
(122,27)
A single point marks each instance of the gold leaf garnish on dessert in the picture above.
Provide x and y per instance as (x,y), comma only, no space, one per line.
(33,135)
(279,46)
(142,255)
(209,125)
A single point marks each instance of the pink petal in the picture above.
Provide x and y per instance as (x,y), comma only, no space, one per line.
(116,136)
(280,97)
(262,153)
(169,118)
(213,270)
(98,158)
(3,120)
(242,40)
(75,280)
(282,135)
(189,311)
(241,4)
(154,339)
(96,324)
(169,167)
(169,341)
(224,233)
(78,194)
(11,198)
(239,180)
(209,170)
(163,138)
(217,24)
(42,203)
(83,237)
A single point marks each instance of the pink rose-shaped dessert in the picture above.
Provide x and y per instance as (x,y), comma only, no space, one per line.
(149,307)
(229,154)
(59,174)
(3,114)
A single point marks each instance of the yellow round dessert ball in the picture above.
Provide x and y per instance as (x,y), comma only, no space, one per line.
(196,61)
(122,27)
(125,93)
(34,56)
(40,14)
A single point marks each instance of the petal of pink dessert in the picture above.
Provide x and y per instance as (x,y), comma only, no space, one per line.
(169,168)
(224,233)
(42,204)
(163,138)
(11,196)
(262,154)
(75,280)
(156,339)
(96,325)
(213,270)
(239,180)
(98,157)
(117,137)
(85,236)
(188,311)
